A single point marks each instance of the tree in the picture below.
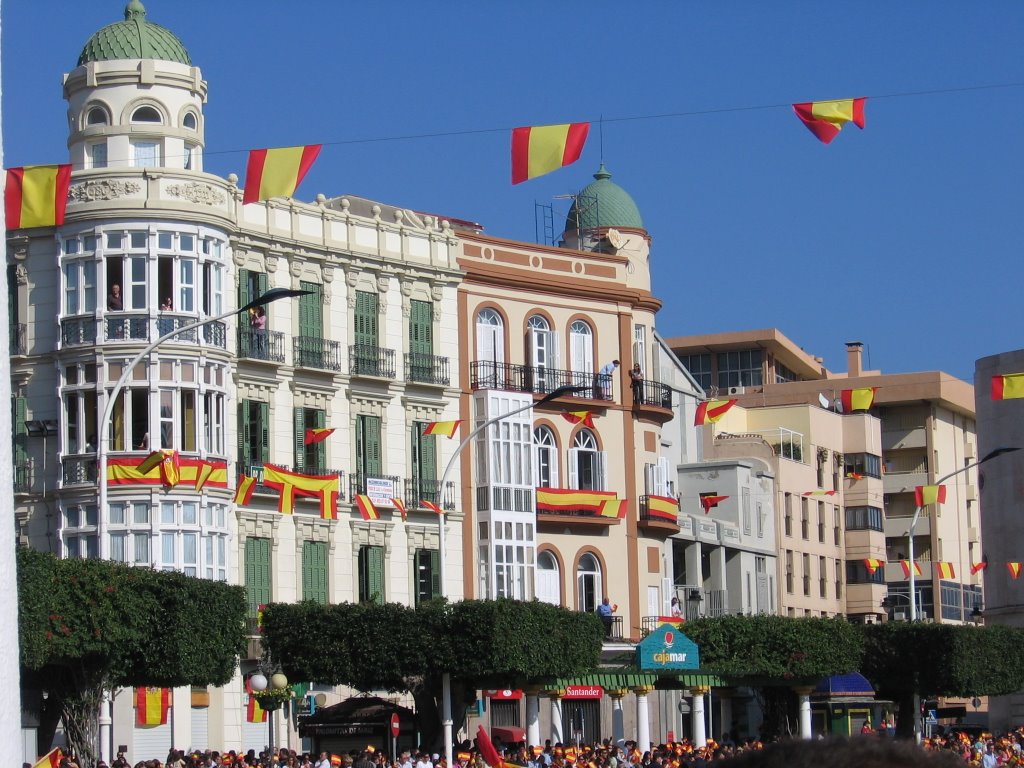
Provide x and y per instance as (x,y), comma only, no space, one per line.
(902,659)
(774,653)
(480,643)
(86,626)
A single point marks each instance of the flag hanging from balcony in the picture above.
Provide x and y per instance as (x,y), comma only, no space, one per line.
(711,411)
(277,172)
(245,490)
(976,567)
(169,464)
(36,195)
(873,564)
(254,713)
(1009,386)
(541,149)
(854,475)
(1014,569)
(151,705)
(709,501)
(431,506)
(615,508)
(663,508)
(400,506)
(826,118)
(906,565)
(586,418)
(569,500)
(857,399)
(446,428)
(945,570)
(318,435)
(324,488)
(819,493)
(366,509)
(204,471)
(128,470)
(929,494)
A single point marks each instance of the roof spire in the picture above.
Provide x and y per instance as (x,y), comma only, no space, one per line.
(602,173)
(134,10)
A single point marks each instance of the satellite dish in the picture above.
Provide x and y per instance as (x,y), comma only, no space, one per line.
(615,238)
(823,401)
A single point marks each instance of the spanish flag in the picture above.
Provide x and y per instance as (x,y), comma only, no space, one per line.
(826,118)
(541,149)
(663,508)
(857,399)
(50,760)
(366,508)
(400,506)
(929,494)
(615,508)
(446,428)
(254,713)
(1009,386)
(151,705)
(976,567)
(431,506)
(1014,569)
(905,565)
(711,411)
(169,463)
(872,564)
(36,195)
(709,501)
(336,760)
(819,493)
(246,488)
(486,748)
(203,472)
(586,418)
(318,435)
(854,476)
(945,570)
(277,172)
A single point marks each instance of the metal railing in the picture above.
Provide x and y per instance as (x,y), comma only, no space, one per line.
(426,369)
(22,479)
(261,345)
(650,623)
(698,601)
(76,331)
(78,469)
(418,491)
(370,360)
(487,374)
(359,484)
(19,339)
(646,514)
(612,627)
(651,393)
(315,352)
(256,470)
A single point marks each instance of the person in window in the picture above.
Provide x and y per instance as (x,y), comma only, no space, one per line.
(674,608)
(114,301)
(636,382)
(167,305)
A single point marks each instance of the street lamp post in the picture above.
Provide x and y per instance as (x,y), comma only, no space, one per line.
(446,678)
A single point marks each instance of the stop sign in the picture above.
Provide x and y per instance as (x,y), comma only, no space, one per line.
(394,724)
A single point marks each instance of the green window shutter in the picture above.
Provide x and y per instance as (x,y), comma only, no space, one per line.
(244,459)
(250,285)
(311,306)
(19,412)
(364,320)
(435,574)
(243,287)
(371,574)
(428,575)
(264,431)
(368,436)
(257,573)
(421,328)
(424,462)
(314,571)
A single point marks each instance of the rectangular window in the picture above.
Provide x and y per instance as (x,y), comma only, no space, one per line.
(97,154)
(640,346)
(187,285)
(788,514)
(805,519)
(428,575)
(699,367)
(314,571)
(745,507)
(822,578)
(311,311)
(821,522)
(864,519)
(863,464)
(145,154)
(253,434)
(371,574)
(740,368)
(421,328)
(424,464)
(857,573)
(257,573)
(310,458)
(789,571)
(368,446)
(807,574)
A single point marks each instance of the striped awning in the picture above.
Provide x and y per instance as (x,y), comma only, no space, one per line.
(615,680)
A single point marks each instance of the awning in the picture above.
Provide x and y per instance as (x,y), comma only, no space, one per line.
(509,734)
(612,680)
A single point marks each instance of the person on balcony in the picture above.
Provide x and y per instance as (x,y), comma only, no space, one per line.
(258,321)
(603,381)
(606,611)
(636,383)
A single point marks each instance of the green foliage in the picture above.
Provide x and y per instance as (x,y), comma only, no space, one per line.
(776,647)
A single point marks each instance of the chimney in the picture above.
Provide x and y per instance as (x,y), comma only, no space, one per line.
(854,352)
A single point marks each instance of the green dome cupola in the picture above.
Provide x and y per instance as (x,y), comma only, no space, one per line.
(603,203)
(134,38)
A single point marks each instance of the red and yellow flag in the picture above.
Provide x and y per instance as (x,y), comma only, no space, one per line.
(615,508)
(324,488)
(945,570)
(36,195)
(826,118)
(486,748)
(560,500)
(857,399)
(1009,386)
(366,509)
(246,488)
(446,428)
(709,501)
(277,172)
(151,705)
(254,713)
(400,506)
(929,494)
(336,760)
(204,470)
(586,418)
(50,760)
(905,565)
(873,564)
(711,411)
(169,463)
(663,508)
(1014,569)
(318,435)
(976,567)
(541,149)
(854,475)
(819,493)
(431,506)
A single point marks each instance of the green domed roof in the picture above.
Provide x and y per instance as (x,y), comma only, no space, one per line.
(134,38)
(603,203)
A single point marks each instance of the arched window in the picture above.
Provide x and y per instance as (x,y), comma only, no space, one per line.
(146,115)
(542,346)
(547,457)
(581,352)
(190,121)
(588,583)
(586,463)
(548,579)
(490,349)
(97,116)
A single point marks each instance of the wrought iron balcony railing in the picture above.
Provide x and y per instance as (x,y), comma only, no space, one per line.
(370,360)
(19,339)
(418,491)
(487,374)
(651,393)
(78,469)
(426,369)
(376,485)
(315,352)
(261,345)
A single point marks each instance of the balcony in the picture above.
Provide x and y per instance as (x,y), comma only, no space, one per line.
(315,352)
(651,393)
(418,491)
(659,513)
(261,345)
(78,470)
(426,369)
(486,374)
(19,339)
(612,628)
(78,331)
(22,479)
(650,623)
(256,470)
(388,486)
(698,602)
(370,360)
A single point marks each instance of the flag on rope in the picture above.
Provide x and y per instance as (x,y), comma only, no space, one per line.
(36,195)
(859,399)
(446,428)
(945,570)
(905,565)
(400,506)
(1008,386)
(254,713)
(541,149)
(976,567)
(826,118)
(586,418)
(318,435)
(246,488)
(151,705)
(711,411)
(366,508)
(929,494)
(709,501)
(1014,569)
(873,564)
(277,172)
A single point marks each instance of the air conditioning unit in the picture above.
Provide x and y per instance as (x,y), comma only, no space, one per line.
(899,615)
(737,390)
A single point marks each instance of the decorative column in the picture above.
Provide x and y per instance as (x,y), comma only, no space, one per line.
(532,716)
(804,694)
(105,720)
(697,724)
(618,722)
(556,716)
(643,718)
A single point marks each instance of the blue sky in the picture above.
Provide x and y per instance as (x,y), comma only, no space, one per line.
(906,236)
